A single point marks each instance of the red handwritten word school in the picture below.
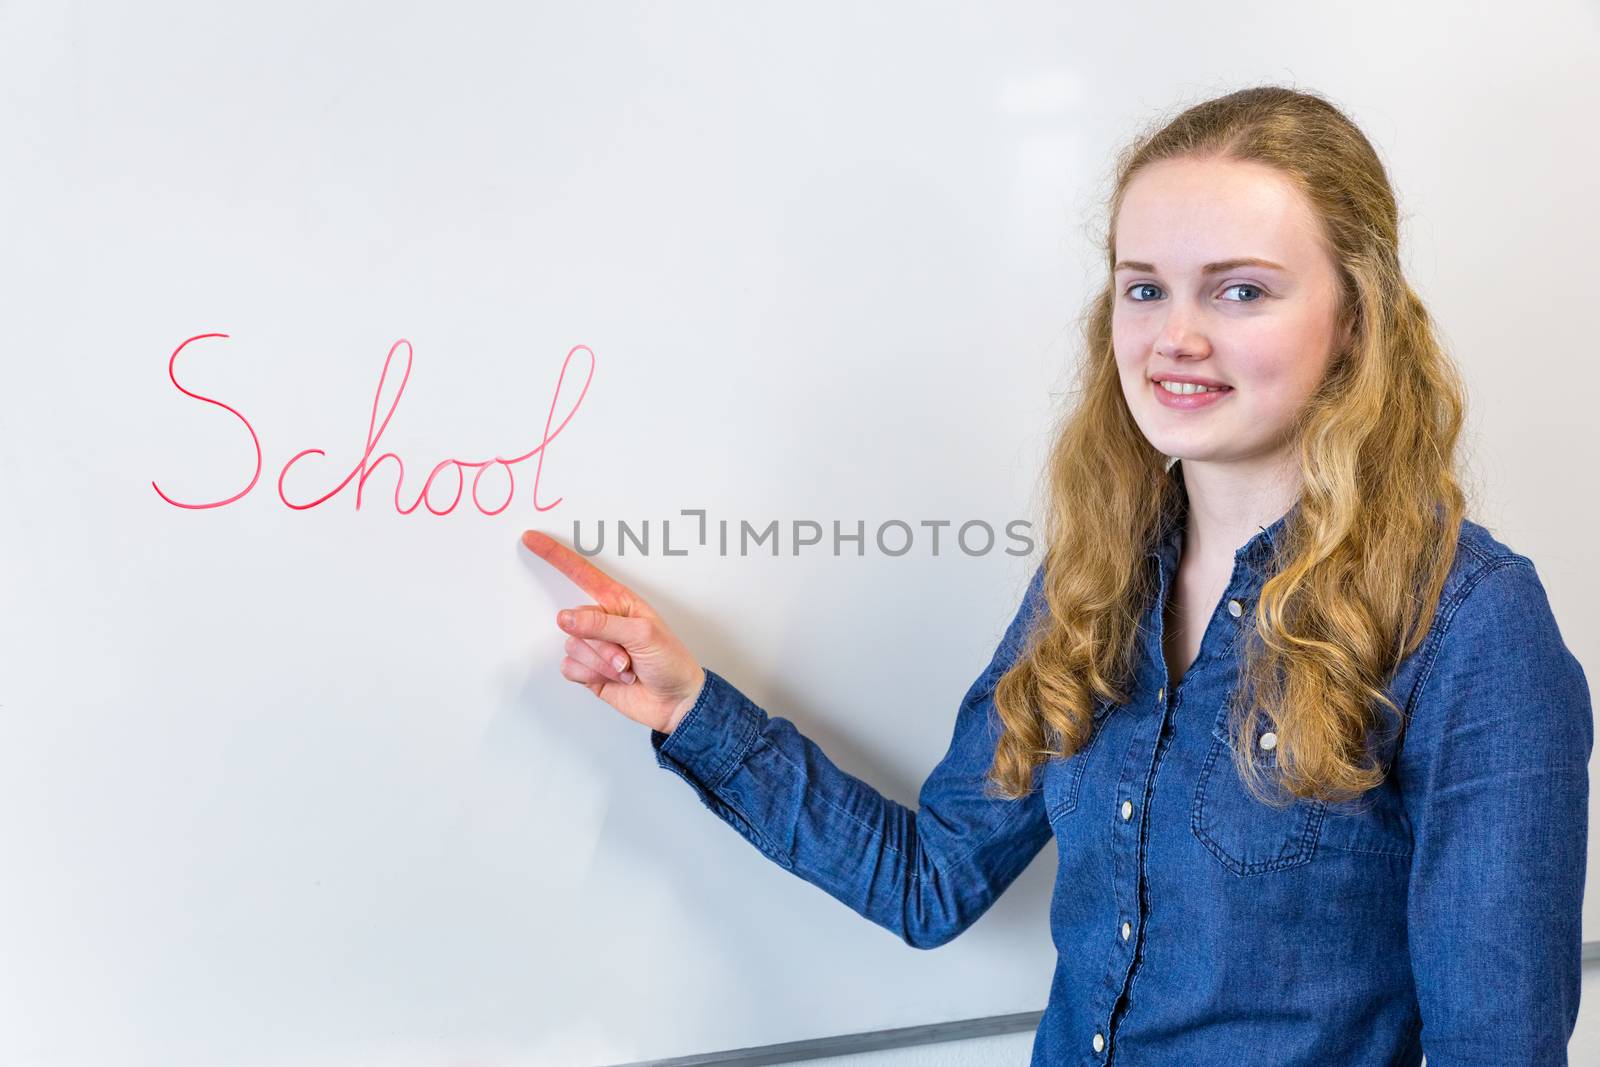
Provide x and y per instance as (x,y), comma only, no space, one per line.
(366,464)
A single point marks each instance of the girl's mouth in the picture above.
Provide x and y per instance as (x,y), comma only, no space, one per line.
(1191,398)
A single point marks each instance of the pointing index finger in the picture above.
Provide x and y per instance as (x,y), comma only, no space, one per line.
(610,594)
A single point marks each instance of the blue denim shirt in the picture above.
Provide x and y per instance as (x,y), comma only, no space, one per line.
(1441,912)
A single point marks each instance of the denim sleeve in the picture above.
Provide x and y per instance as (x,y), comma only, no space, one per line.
(1496,785)
(925,875)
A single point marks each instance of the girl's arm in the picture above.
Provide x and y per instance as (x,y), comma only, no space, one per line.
(925,875)
(1495,777)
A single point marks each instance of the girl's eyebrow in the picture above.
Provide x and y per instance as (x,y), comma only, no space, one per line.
(1209,268)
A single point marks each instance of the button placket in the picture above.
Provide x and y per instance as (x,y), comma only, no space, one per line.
(1128,876)
(1134,782)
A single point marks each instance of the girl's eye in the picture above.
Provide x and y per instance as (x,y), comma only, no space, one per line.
(1255,289)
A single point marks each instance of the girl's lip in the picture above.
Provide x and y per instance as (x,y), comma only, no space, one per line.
(1190,402)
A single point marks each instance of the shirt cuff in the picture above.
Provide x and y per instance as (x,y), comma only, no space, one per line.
(713,736)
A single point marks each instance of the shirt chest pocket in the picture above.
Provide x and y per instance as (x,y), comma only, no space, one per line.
(1247,835)
(1065,778)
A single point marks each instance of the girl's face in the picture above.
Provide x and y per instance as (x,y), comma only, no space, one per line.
(1220,276)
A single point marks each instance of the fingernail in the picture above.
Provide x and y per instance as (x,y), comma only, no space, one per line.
(620,663)
(565,618)
(629,677)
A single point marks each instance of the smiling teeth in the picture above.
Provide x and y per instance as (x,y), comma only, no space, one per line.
(1186,388)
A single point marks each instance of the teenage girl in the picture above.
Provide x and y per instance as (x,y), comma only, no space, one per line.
(1309,740)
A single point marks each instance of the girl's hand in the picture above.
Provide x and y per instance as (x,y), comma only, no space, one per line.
(621,651)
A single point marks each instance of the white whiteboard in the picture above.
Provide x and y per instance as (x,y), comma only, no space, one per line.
(305,786)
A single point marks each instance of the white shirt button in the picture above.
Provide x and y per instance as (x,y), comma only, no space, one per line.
(1127,931)
(1235,608)
(1269,740)
(1127,810)
(1099,1042)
